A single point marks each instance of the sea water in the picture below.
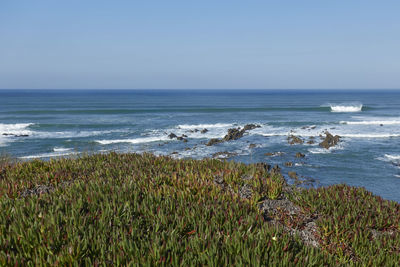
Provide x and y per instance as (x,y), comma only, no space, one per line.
(63,123)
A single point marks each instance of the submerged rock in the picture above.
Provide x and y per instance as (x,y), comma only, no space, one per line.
(251,146)
(329,140)
(204,131)
(293,175)
(300,155)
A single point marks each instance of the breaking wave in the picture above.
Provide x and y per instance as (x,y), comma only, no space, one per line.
(354,107)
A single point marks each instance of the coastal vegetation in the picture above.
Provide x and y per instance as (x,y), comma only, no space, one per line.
(131,209)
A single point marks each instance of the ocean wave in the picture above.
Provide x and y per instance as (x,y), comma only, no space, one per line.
(354,107)
(392,157)
(134,140)
(15,129)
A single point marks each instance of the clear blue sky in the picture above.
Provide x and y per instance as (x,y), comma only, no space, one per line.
(199,44)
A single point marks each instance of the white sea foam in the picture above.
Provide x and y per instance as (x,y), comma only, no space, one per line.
(134,140)
(396,175)
(392,157)
(319,150)
(350,107)
(203,126)
(48,155)
(15,129)
(362,135)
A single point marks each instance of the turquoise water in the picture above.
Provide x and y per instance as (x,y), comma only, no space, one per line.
(52,123)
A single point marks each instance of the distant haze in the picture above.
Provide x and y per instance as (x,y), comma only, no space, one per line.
(205,44)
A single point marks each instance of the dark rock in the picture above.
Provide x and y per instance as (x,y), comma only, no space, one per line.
(21,135)
(293,140)
(251,146)
(233,134)
(184,135)
(246,191)
(180,138)
(310,142)
(293,175)
(329,140)
(172,135)
(289,164)
(174,153)
(204,130)
(249,127)
(300,155)
(196,130)
(185,140)
(214,141)
(380,124)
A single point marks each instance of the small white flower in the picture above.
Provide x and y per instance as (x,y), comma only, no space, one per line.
(274,238)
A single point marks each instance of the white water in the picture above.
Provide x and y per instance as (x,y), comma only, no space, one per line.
(351,107)
(134,140)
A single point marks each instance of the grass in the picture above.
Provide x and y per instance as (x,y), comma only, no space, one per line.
(130,209)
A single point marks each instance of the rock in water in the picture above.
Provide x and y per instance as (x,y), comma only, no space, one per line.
(249,127)
(293,175)
(204,130)
(288,164)
(233,134)
(214,141)
(172,135)
(293,140)
(329,140)
(300,155)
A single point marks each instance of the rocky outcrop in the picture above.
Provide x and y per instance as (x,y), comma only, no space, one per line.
(300,155)
(329,140)
(214,141)
(172,136)
(294,140)
(233,134)
(204,131)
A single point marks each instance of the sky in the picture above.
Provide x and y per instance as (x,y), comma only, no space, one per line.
(282,44)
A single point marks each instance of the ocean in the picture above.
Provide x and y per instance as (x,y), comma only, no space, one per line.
(46,124)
